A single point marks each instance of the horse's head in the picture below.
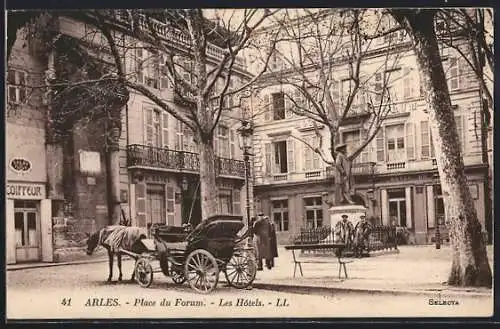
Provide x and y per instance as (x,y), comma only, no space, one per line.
(92,242)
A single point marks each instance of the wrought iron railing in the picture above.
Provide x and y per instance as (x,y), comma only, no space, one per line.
(175,36)
(381,237)
(156,157)
(230,167)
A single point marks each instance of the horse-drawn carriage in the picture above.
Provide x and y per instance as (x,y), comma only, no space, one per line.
(197,256)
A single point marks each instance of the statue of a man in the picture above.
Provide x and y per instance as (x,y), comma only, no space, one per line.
(342,176)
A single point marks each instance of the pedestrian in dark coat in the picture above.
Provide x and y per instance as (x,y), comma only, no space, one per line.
(274,243)
(262,240)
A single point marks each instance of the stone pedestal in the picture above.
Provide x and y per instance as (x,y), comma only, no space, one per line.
(353,211)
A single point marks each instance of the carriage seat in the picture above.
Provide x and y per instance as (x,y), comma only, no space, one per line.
(176,245)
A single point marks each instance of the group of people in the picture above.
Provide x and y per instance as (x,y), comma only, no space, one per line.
(355,237)
(264,240)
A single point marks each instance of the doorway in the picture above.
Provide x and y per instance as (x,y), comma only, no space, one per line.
(191,204)
(155,204)
(27,228)
(397,207)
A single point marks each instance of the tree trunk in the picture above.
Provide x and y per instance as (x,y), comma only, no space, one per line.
(208,186)
(470,265)
(113,172)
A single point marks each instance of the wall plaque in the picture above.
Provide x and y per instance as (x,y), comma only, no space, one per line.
(20,165)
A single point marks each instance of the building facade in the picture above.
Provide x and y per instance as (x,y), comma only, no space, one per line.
(395,175)
(58,187)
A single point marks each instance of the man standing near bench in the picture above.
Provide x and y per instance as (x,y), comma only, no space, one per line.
(344,231)
(265,242)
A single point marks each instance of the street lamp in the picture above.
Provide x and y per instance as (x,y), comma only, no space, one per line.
(245,139)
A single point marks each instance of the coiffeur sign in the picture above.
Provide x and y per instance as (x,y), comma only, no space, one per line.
(26,191)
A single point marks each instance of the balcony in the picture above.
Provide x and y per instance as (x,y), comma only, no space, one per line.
(176,37)
(180,161)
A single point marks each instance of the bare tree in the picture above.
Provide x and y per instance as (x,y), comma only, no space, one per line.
(470,265)
(469,32)
(322,62)
(200,81)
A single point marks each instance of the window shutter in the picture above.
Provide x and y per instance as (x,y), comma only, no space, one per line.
(431,144)
(363,156)
(410,141)
(267,108)
(170,205)
(139,64)
(315,156)
(165,141)
(288,104)
(232,144)
(236,202)
(268,158)
(148,126)
(306,150)
(291,155)
(164,76)
(424,140)
(380,145)
(460,131)
(179,138)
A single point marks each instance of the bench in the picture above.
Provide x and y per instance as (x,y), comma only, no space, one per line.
(338,247)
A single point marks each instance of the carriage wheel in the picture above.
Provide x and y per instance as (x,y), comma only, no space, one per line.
(143,272)
(241,270)
(178,277)
(201,271)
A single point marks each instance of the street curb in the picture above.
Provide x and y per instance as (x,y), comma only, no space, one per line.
(304,289)
(42,265)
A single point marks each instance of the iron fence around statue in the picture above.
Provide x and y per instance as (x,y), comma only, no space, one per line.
(381,237)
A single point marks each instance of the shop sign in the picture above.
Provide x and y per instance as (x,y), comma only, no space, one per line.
(25,191)
(20,165)
(90,162)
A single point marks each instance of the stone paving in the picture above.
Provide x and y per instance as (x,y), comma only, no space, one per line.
(415,269)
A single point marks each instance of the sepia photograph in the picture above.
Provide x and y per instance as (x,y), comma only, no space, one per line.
(218,163)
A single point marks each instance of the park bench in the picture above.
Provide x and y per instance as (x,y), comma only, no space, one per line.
(336,247)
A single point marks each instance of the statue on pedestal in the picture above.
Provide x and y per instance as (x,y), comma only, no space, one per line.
(342,178)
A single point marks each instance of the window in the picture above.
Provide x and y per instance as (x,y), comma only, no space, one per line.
(353,139)
(313,209)
(395,139)
(17,90)
(236,202)
(278,106)
(222,145)
(312,159)
(147,67)
(280,214)
(280,159)
(155,127)
(346,87)
(409,83)
(225,201)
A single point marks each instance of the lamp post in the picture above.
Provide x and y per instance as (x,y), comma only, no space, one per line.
(245,134)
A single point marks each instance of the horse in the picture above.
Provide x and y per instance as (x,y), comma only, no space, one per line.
(361,234)
(113,238)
